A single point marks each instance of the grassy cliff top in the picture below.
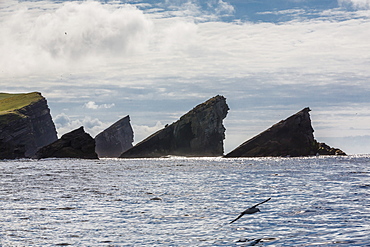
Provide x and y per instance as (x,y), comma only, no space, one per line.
(9,103)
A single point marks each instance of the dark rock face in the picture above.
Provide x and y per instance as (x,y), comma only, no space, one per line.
(115,140)
(75,144)
(290,137)
(25,129)
(199,132)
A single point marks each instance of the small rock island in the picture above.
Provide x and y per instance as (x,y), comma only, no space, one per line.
(25,123)
(200,132)
(115,140)
(75,144)
(290,137)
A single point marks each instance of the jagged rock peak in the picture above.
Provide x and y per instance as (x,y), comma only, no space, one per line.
(75,144)
(290,137)
(116,139)
(25,123)
(199,132)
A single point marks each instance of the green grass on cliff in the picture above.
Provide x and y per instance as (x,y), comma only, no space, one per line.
(10,103)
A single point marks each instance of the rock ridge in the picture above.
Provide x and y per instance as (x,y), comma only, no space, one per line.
(290,137)
(114,140)
(200,132)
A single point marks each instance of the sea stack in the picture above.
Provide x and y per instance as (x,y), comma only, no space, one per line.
(115,140)
(200,132)
(75,144)
(25,123)
(290,137)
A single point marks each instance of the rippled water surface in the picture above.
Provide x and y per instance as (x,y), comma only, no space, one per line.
(316,201)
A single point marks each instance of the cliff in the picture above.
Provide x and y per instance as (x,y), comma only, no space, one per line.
(199,132)
(25,125)
(75,144)
(290,137)
(116,139)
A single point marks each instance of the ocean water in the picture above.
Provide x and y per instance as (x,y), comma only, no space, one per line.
(315,201)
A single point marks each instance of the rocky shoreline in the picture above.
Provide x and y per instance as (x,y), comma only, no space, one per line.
(28,131)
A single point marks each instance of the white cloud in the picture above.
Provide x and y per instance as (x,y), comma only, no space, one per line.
(179,36)
(94,106)
(34,40)
(224,8)
(62,120)
(143,131)
(123,42)
(213,9)
(91,105)
(284,12)
(358,4)
(65,124)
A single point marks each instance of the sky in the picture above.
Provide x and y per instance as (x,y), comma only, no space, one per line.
(98,61)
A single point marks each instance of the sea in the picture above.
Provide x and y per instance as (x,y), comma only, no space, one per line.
(176,201)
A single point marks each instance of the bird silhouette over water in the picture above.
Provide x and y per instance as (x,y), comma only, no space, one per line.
(250,210)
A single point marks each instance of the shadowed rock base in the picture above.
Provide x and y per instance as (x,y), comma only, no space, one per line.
(75,144)
(199,132)
(323,149)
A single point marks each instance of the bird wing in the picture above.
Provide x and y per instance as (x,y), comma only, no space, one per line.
(261,202)
(237,218)
(246,211)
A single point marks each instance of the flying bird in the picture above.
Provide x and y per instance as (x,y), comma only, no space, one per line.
(250,210)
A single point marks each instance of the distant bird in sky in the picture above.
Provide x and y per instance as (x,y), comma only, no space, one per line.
(250,210)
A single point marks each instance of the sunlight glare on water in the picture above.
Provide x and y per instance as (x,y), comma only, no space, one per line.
(316,201)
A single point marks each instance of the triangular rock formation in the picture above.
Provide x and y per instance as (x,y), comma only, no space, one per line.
(199,132)
(75,144)
(116,139)
(290,137)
